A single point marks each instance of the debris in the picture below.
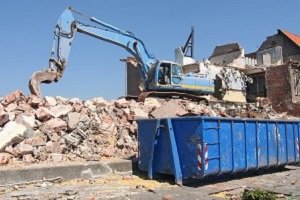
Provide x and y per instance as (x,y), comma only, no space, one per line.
(35,100)
(170,109)
(56,129)
(51,101)
(152,103)
(121,103)
(37,141)
(12,132)
(28,158)
(10,107)
(4,117)
(73,120)
(56,157)
(5,158)
(28,121)
(60,110)
(24,149)
(12,97)
(54,125)
(42,114)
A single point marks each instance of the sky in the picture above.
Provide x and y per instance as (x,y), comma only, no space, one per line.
(94,67)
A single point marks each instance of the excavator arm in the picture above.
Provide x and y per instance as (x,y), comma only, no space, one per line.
(65,30)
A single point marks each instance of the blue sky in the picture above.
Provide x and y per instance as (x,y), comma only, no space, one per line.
(94,67)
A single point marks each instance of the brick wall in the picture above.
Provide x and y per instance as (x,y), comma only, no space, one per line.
(279,91)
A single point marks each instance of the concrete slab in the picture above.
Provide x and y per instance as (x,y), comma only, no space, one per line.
(65,171)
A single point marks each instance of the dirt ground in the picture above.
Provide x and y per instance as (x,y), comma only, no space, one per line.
(284,182)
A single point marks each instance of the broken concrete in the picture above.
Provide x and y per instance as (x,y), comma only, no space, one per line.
(28,121)
(56,129)
(51,101)
(55,125)
(73,120)
(60,110)
(11,132)
(23,149)
(169,109)
(4,117)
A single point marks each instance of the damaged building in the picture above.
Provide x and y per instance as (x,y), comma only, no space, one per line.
(273,70)
(276,74)
(228,55)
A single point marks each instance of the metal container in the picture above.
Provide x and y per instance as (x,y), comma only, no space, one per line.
(197,147)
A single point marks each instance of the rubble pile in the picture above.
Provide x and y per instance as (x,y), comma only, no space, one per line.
(56,129)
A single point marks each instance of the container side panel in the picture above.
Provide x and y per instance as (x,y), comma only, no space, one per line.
(146,133)
(297,142)
(188,136)
(226,146)
(290,142)
(162,162)
(239,146)
(163,153)
(212,143)
(251,145)
(272,144)
(282,144)
(262,144)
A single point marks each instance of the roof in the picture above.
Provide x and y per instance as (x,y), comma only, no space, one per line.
(293,37)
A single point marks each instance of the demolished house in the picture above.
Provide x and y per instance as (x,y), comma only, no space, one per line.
(276,74)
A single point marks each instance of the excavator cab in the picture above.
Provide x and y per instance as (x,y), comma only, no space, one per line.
(168,76)
(169,73)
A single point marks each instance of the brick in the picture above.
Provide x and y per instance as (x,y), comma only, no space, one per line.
(35,100)
(10,107)
(23,107)
(55,125)
(12,97)
(42,114)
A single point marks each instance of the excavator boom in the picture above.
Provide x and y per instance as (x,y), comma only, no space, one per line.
(66,27)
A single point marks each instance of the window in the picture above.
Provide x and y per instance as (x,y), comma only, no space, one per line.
(176,70)
(296,74)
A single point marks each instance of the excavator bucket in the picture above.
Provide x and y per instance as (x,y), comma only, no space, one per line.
(46,76)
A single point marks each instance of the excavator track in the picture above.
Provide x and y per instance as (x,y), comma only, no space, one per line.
(172,95)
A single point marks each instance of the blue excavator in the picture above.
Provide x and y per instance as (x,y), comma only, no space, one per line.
(158,77)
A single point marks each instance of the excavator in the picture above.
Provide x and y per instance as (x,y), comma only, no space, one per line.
(161,77)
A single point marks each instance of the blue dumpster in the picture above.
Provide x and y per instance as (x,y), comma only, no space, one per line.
(198,147)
